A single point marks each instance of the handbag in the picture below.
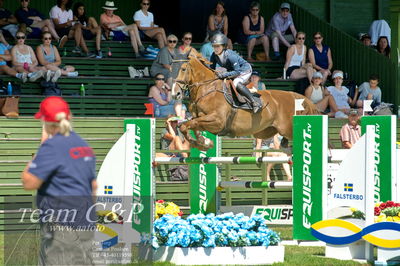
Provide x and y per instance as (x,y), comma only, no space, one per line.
(9,106)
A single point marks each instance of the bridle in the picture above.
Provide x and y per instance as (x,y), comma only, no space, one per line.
(184,85)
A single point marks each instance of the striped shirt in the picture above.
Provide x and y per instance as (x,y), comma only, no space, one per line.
(350,133)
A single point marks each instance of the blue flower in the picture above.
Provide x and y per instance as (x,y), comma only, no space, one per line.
(210,231)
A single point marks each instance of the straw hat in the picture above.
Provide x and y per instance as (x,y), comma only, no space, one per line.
(109,5)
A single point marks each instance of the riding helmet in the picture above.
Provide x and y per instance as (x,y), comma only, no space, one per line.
(219,38)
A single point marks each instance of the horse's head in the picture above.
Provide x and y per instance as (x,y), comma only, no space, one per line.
(182,81)
(192,71)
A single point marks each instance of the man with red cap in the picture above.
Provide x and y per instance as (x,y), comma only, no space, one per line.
(64,174)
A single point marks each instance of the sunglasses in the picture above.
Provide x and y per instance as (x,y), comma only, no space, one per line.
(146,4)
(46,39)
(172,41)
(317,38)
(159,78)
(24,0)
(254,9)
(301,38)
(187,38)
(20,37)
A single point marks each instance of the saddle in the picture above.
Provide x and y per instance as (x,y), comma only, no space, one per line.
(235,99)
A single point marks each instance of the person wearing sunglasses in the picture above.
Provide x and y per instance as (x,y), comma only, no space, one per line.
(90,28)
(32,18)
(236,68)
(277,28)
(64,22)
(296,66)
(160,97)
(218,23)
(320,56)
(49,57)
(4,68)
(254,27)
(24,59)
(145,23)
(111,23)
(165,57)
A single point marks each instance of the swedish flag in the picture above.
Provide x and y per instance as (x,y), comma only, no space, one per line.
(108,190)
(348,187)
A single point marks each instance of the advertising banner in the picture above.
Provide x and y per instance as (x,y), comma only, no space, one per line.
(384,156)
(204,179)
(309,176)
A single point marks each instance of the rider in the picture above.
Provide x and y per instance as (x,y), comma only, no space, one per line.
(236,67)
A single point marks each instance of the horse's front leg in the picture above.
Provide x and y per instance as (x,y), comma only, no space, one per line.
(211,123)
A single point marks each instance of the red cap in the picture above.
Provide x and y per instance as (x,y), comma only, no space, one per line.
(50,107)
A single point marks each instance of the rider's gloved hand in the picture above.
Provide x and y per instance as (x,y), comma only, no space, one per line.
(221,75)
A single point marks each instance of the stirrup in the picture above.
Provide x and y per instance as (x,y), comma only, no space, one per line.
(256,107)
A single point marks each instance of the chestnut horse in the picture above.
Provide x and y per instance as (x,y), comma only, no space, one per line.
(211,112)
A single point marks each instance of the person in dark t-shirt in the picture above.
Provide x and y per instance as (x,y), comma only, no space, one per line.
(63,172)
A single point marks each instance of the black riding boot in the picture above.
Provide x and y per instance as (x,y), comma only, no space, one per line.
(241,88)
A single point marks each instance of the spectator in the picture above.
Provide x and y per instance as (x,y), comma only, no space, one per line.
(254,28)
(340,93)
(8,21)
(163,62)
(173,139)
(295,66)
(24,59)
(278,26)
(160,97)
(350,132)
(49,57)
(64,174)
(383,46)
(113,23)
(4,41)
(218,23)
(145,22)
(186,43)
(5,69)
(320,57)
(369,91)
(31,17)
(90,28)
(63,19)
(366,40)
(255,82)
(273,143)
(321,97)
(206,49)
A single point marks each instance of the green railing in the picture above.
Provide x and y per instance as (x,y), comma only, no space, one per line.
(350,55)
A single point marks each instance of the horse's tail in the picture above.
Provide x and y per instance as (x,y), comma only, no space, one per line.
(309,106)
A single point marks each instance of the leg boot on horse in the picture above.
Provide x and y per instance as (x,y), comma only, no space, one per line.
(241,88)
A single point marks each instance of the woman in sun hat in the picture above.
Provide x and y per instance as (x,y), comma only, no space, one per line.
(113,23)
(64,174)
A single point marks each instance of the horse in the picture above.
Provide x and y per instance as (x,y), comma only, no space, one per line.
(211,112)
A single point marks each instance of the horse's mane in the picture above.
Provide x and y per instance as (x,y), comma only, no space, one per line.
(201,61)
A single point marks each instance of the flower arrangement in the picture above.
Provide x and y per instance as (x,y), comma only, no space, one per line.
(225,230)
(387,212)
(167,207)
